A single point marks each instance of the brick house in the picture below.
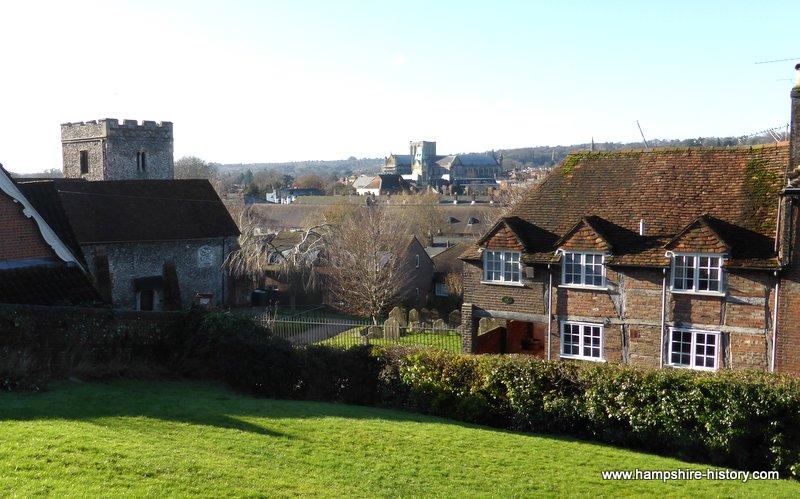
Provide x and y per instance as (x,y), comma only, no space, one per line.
(673,257)
(36,266)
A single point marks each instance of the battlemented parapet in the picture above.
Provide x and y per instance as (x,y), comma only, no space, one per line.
(109,150)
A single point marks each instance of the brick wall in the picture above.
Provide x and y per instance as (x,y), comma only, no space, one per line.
(631,309)
(788,340)
(528,298)
(19,235)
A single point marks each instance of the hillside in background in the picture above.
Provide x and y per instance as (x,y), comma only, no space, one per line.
(525,157)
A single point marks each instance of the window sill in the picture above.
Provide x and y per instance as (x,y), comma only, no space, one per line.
(504,283)
(579,357)
(690,368)
(578,286)
(718,294)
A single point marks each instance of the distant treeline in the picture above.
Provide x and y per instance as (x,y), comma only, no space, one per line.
(531,157)
(544,156)
(337,167)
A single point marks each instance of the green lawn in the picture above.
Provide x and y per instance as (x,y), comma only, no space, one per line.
(186,439)
(425,338)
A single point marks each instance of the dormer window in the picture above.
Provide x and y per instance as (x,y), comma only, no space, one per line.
(697,273)
(584,269)
(501,267)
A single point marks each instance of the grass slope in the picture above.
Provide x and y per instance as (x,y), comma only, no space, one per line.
(182,439)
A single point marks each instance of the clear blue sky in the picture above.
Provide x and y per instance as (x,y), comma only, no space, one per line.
(264,81)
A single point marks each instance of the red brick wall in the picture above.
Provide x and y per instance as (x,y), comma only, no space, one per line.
(748,352)
(695,309)
(528,298)
(645,346)
(639,297)
(788,341)
(19,235)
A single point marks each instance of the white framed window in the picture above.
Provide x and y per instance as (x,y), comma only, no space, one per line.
(441,289)
(416,261)
(583,269)
(694,349)
(501,266)
(697,273)
(581,340)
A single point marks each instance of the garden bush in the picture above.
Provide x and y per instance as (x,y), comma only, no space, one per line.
(746,420)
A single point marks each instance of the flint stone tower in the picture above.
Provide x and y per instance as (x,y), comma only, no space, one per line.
(107,150)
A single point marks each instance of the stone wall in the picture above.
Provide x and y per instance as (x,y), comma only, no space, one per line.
(39,343)
(199,267)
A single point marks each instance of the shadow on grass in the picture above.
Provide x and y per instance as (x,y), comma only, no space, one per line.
(188,403)
(201,404)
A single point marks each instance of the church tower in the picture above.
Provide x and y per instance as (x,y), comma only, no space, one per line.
(107,150)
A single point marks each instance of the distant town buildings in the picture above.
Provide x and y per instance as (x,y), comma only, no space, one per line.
(423,166)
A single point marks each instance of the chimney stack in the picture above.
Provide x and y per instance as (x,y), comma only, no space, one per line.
(794,134)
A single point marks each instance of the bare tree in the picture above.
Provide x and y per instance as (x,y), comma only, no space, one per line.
(366,272)
(297,265)
(294,266)
(455,283)
(193,167)
(249,260)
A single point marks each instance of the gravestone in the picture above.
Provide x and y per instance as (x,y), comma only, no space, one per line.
(439,325)
(391,329)
(399,315)
(413,316)
(375,332)
(455,318)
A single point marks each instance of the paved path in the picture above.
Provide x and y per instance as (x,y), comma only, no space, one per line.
(319,333)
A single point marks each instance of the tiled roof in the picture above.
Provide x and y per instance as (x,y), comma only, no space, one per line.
(447,261)
(136,210)
(736,189)
(47,285)
(476,160)
(402,159)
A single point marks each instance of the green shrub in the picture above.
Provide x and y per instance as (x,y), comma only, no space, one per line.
(745,420)
(337,375)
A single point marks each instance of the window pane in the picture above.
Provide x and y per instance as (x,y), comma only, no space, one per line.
(705,350)
(571,341)
(681,348)
(569,268)
(582,269)
(591,341)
